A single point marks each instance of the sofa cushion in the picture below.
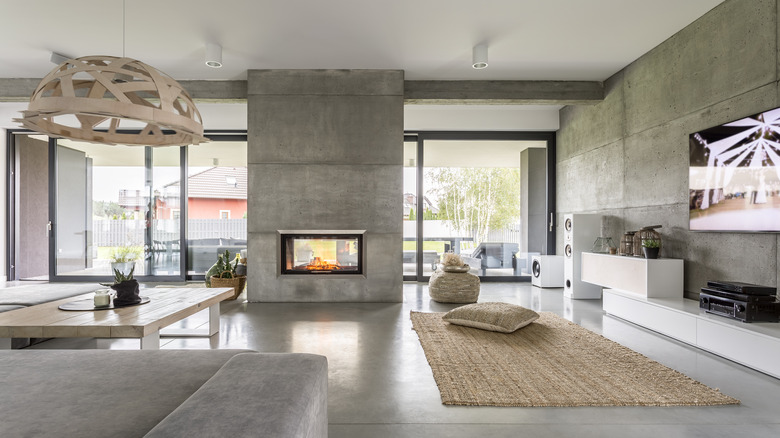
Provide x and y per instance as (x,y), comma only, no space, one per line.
(497,317)
(269,395)
(6,308)
(98,393)
(39,293)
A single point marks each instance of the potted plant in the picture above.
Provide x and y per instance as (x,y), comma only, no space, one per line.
(223,274)
(123,258)
(651,247)
(126,287)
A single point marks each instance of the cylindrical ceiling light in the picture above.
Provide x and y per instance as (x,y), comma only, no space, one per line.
(480,57)
(213,55)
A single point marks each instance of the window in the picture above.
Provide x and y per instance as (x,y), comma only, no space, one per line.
(224,214)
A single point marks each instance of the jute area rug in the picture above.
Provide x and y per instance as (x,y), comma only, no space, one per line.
(551,362)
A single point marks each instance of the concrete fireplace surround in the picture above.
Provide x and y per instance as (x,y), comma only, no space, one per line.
(325,153)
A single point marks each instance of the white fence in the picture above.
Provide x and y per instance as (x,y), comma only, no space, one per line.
(117,232)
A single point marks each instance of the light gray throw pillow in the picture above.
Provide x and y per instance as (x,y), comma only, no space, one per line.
(497,317)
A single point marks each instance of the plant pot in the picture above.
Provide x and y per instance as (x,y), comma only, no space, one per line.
(127,293)
(237,283)
(124,267)
(650,253)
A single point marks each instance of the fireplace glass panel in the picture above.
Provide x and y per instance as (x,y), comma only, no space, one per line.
(321,254)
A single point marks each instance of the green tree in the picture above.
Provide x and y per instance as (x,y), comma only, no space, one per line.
(411,214)
(477,199)
(106,209)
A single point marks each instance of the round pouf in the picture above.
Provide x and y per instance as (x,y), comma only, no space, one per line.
(453,287)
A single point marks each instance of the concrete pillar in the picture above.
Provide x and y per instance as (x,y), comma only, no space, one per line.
(325,152)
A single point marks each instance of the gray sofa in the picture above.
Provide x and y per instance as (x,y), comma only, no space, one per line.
(166,393)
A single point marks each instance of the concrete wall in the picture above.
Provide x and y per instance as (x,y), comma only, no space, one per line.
(627,157)
(324,154)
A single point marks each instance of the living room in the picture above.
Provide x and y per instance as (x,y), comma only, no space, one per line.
(622,156)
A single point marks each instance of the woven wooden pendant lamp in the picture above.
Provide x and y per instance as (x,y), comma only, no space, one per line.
(101,92)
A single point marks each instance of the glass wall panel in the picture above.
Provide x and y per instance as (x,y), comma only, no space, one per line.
(216,203)
(102,200)
(410,208)
(474,203)
(165,229)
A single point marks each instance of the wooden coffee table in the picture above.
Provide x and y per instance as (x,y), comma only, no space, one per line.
(144,322)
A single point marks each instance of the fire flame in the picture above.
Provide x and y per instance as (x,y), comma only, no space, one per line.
(320,265)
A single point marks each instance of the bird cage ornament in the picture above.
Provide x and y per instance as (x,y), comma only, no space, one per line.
(646,233)
(627,244)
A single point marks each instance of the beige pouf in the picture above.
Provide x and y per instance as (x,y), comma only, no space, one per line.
(453,287)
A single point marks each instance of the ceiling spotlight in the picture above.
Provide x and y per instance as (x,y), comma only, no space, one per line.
(213,55)
(480,57)
(58,59)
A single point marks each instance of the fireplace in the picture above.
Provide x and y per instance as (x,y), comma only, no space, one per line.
(323,252)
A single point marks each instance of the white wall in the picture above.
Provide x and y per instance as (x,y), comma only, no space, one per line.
(481,117)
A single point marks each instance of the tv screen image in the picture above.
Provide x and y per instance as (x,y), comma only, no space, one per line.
(734,175)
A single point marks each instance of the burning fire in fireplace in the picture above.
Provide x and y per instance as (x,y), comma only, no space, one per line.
(317,264)
(313,253)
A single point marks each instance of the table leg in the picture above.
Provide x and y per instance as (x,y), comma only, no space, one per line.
(5,343)
(213,320)
(211,330)
(151,341)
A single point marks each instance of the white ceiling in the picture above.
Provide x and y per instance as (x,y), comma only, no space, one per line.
(428,39)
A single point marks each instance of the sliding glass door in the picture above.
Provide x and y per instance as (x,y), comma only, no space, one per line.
(76,209)
(115,204)
(485,197)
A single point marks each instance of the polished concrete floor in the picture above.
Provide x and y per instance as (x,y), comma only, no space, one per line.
(380,384)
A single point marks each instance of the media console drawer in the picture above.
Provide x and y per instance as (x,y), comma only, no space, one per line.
(755,345)
(652,278)
(664,320)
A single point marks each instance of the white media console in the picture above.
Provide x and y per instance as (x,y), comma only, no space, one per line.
(642,300)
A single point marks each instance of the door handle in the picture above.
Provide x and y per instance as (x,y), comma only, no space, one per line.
(551,221)
(48,229)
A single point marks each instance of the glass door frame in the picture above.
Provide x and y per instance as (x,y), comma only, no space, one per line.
(11,207)
(148,238)
(546,136)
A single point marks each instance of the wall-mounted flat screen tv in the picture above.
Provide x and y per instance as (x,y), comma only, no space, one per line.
(734,175)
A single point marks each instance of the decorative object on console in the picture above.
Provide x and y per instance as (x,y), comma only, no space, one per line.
(651,248)
(603,245)
(627,244)
(646,233)
(126,287)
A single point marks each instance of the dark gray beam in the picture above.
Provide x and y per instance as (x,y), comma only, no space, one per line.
(17,89)
(415,92)
(503,92)
(20,90)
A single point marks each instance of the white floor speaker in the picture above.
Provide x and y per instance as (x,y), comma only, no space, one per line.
(547,271)
(579,233)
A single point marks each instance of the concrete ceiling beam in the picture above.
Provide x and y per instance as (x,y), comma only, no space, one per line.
(415,92)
